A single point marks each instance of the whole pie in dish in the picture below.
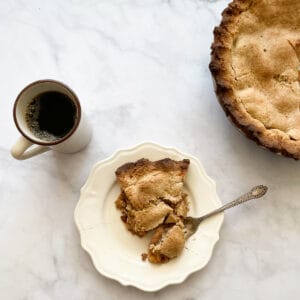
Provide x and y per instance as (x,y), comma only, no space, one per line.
(152,199)
(255,64)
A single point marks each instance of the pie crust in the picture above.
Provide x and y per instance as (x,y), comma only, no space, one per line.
(255,62)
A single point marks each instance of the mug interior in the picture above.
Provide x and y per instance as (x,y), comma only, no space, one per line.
(28,94)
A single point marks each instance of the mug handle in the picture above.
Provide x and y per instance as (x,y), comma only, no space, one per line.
(18,150)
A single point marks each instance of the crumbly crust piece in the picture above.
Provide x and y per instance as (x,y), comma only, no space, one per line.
(255,65)
(166,243)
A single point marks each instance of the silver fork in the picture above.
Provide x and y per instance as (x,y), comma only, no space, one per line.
(193,223)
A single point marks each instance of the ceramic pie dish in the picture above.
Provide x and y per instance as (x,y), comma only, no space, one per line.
(255,63)
(115,252)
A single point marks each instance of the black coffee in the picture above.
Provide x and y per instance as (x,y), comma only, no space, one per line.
(51,115)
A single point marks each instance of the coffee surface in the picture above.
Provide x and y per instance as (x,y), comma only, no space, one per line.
(51,115)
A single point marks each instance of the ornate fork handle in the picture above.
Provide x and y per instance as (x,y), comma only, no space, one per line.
(257,192)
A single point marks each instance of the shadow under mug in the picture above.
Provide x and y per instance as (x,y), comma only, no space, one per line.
(75,140)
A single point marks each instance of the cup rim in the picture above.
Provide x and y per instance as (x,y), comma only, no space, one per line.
(70,133)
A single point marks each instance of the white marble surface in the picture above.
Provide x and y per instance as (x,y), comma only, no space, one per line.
(140,70)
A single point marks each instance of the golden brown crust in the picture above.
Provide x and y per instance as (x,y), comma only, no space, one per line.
(140,167)
(145,183)
(281,138)
(150,217)
(173,242)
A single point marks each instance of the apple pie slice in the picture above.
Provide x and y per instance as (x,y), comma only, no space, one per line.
(152,197)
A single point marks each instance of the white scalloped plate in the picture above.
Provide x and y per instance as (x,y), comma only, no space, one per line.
(115,252)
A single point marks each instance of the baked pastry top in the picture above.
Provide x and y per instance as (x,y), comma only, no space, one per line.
(145,182)
(255,63)
(152,197)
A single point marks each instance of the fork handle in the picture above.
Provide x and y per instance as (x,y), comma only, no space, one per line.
(256,192)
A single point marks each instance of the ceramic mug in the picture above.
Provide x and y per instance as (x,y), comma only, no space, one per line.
(73,141)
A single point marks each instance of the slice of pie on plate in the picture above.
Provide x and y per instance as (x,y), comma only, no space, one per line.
(152,197)
(255,65)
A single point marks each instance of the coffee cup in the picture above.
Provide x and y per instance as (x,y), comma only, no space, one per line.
(49,116)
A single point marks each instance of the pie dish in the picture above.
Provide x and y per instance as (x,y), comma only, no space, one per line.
(255,65)
(152,198)
(115,252)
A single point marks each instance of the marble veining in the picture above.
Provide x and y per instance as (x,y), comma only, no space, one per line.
(140,69)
